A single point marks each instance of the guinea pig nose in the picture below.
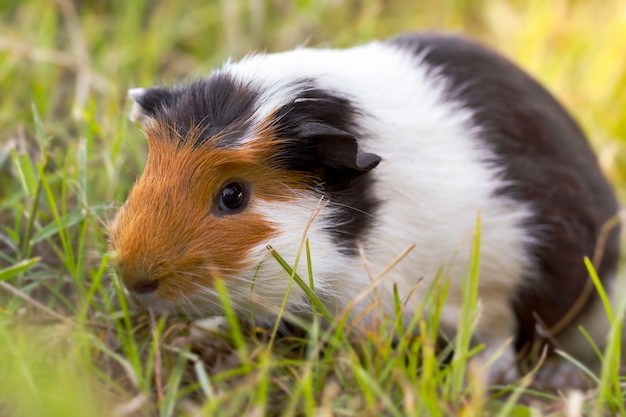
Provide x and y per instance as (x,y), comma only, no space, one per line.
(144,286)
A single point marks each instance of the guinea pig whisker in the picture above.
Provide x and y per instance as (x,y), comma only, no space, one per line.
(206,299)
(337,204)
(293,191)
(187,304)
(192,274)
(181,296)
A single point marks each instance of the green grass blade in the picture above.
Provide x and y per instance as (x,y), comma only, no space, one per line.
(319,305)
(25,171)
(233,320)
(18,268)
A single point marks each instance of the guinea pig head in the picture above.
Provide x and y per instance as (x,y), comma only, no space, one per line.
(189,219)
(198,213)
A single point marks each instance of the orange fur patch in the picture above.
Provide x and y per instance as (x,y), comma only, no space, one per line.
(168,230)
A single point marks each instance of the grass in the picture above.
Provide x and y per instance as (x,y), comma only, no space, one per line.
(70,345)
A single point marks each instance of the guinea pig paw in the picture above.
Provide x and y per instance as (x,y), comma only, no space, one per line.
(560,374)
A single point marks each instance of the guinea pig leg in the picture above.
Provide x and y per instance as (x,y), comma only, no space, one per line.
(560,373)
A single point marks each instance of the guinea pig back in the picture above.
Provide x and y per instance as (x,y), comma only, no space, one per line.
(408,141)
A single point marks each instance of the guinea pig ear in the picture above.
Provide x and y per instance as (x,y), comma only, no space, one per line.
(338,149)
(147,102)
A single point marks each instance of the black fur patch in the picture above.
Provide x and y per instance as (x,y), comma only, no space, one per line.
(154,100)
(215,109)
(548,162)
(320,138)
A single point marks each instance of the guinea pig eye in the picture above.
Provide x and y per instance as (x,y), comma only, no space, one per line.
(232,198)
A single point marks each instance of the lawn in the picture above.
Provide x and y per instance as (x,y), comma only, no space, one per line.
(69,343)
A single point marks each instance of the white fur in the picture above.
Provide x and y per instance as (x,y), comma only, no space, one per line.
(137,113)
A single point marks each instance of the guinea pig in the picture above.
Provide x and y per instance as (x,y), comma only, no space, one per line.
(408,141)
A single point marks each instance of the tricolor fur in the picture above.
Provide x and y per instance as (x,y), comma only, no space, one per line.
(409,141)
